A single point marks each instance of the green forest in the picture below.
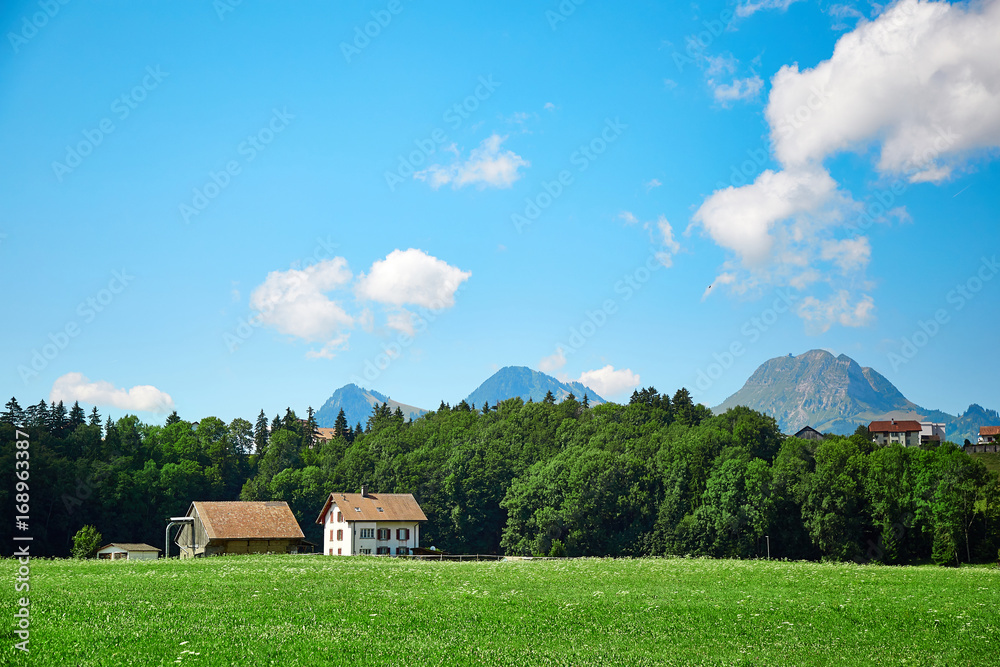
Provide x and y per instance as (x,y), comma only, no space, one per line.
(658,476)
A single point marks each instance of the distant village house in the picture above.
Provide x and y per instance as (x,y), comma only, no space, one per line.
(809,433)
(989,440)
(240,528)
(380,524)
(904,432)
(128,551)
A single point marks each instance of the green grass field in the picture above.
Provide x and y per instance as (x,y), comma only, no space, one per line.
(316,610)
(991,460)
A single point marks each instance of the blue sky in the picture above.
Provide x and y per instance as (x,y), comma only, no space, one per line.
(225,208)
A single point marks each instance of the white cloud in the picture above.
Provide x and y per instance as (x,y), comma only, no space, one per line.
(75,387)
(748,8)
(609,382)
(487,165)
(848,254)
(628,217)
(411,277)
(739,89)
(401,320)
(820,315)
(921,81)
(295,303)
(552,362)
(654,183)
(742,219)
(665,257)
(549,106)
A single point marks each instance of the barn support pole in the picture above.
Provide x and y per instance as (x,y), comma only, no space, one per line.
(177,521)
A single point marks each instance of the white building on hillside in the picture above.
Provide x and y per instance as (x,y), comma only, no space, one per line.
(378,524)
(931,432)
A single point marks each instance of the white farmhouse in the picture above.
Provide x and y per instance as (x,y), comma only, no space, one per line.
(127,551)
(380,524)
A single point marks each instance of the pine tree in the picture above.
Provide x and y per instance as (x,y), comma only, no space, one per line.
(12,414)
(260,434)
(357,430)
(312,428)
(398,414)
(486,408)
(586,402)
(549,399)
(77,417)
(58,419)
(340,427)
(276,424)
(173,418)
(95,417)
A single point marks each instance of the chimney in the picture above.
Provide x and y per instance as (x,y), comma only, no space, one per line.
(363,494)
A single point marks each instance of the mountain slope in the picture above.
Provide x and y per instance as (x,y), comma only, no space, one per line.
(523,382)
(357,403)
(835,394)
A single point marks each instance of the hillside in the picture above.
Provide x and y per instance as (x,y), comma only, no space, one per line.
(357,403)
(523,382)
(836,394)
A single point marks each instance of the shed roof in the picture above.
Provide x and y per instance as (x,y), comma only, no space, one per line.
(247,520)
(893,426)
(130,546)
(989,430)
(374,507)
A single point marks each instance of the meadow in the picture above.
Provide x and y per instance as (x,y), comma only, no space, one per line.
(316,610)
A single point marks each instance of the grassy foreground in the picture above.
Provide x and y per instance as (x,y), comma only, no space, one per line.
(316,610)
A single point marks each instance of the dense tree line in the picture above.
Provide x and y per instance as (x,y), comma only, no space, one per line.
(660,475)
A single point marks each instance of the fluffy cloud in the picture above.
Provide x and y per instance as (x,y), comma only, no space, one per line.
(667,239)
(411,277)
(920,83)
(839,308)
(486,165)
(295,303)
(75,387)
(552,362)
(653,183)
(609,382)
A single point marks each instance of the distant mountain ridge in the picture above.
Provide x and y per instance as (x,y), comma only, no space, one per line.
(525,383)
(836,394)
(357,403)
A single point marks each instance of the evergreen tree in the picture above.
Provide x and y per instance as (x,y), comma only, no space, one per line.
(486,408)
(312,428)
(173,418)
(58,419)
(398,414)
(549,399)
(340,427)
(95,417)
(275,425)
(586,402)
(77,417)
(357,430)
(443,408)
(260,434)
(12,414)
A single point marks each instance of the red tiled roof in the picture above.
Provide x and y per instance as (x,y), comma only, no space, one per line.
(241,520)
(357,507)
(989,430)
(893,426)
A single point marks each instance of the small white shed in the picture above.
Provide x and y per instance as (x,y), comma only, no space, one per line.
(128,551)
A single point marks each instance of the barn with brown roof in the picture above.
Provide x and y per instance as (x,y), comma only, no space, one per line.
(240,527)
(989,440)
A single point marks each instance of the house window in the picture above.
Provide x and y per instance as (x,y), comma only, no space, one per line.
(340,517)
(340,552)
(384,533)
(365,552)
(403,534)
(331,551)
(382,551)
(368,533)
(402,551)
(331,533)
(340,535)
